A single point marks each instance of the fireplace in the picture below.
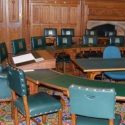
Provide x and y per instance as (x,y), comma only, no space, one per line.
(102,26)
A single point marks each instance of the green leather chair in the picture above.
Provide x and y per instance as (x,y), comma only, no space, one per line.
(63,58)
(38,42)
(30,106)
(19,46)
(67,32)
(93,106)
(63,41)
(3,52)
(5,91)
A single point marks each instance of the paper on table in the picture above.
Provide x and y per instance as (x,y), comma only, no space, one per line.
(30,70)
(23,58)
(39,59)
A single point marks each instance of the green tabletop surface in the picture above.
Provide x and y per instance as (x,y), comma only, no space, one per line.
(63,81)
(100,64)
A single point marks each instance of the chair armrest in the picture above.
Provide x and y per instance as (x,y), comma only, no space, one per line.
(3,76)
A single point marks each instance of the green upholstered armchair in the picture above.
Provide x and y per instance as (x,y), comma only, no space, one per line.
(93,106)
(117,40)
(5,91)
(3,58)
(67,32)
(3,52)
(38,42)
(30,106)
(18,46)
(63,41)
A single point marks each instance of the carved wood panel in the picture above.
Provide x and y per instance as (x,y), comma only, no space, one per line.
(1,10)
(54,16)
(106,14)
(13,10)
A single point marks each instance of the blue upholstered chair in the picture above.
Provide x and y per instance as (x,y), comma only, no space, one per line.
(113,52)
(38,42)
(19,46)
(30,106)
(92,106)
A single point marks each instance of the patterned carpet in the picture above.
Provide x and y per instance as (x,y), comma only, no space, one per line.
(5,114)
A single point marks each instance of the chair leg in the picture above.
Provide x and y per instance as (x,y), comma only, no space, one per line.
(111,122)
(60,117)
(44,118)
(15,116)
(27,120)
(73,119)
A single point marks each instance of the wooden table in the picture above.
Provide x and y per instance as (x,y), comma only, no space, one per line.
(61,82)
(95,66)
(49,61)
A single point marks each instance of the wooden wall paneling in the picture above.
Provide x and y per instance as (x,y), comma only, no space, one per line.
(73,15)
(55,15)
(36,14)
(14,20)
(3,24)
(26,23)
(65,14)
(1,10)
(45,14)
(13,10)
(106,10)
(78,21)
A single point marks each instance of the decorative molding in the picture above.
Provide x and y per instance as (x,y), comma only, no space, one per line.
(1,10)
(106,13)
(13,10)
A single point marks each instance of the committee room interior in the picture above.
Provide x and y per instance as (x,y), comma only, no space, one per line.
(65,57)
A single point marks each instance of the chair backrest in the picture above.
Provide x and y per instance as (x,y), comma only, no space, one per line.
(5,91)
(3,52)
(19,46)
(111,52)
(117,40)
(110,33)
(64,41)
(92,102)
(90,32)
(38,42)
(50,32)
(17,81)
(90,40)
(67,32)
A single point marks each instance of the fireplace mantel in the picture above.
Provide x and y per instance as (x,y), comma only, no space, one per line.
(119,25)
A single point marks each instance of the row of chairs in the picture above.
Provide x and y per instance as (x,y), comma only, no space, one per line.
(52,32)
(104,33)
(88,106)
(39,42)
(112,40)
